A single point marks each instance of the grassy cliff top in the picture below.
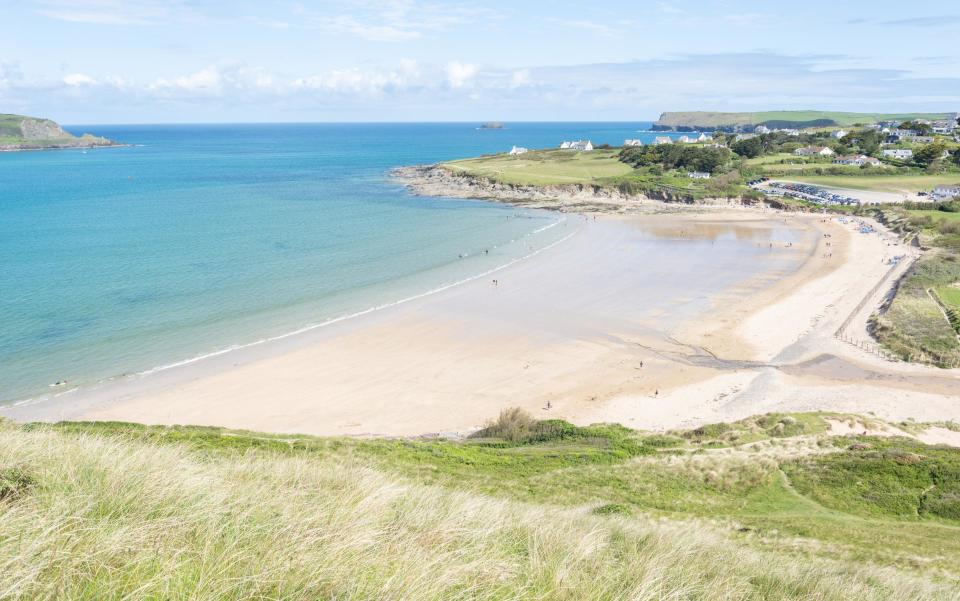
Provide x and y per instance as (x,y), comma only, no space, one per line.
(545,167)
(771,507)
(716,119)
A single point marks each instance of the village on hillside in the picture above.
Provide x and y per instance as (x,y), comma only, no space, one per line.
(919,159)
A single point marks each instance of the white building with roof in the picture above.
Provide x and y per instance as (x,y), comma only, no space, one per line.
(579,145)
(519,150)
(698,175)
(662,140)
(900,154)
(857,159)
(809,151)
(633,143)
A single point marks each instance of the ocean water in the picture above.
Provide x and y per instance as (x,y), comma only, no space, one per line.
(200,238)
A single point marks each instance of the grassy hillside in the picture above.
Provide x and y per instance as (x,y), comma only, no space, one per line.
(893,182)
(768,508)
(545,167)
(19,132)
(713,119)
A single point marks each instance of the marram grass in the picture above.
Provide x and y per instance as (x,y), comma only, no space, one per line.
(101,518)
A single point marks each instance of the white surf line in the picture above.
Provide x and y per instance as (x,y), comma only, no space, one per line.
(309,328)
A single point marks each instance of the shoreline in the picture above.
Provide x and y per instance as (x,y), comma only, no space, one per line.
(7,148)
(299,332)
(765,343)
(202,395)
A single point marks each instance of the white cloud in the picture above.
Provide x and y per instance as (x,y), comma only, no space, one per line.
(460,74)
(520,77)
(362,81)
(79,79)
(412,90)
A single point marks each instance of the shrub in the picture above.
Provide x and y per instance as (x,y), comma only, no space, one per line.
(14,481)
(612,509)
(513,424)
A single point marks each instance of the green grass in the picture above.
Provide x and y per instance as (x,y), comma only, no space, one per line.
(914,326)
(120,511)
(935,215)
(717,119)
(545,167)
(882,183)
(950,295)
(773,484)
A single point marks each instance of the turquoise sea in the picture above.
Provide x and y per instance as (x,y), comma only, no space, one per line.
(199,238)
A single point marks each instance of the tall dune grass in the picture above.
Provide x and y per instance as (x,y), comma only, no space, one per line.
(106,518)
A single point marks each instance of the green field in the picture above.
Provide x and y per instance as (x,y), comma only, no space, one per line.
(882,183)
(936,215)
(772,507)
(545,167)
(713,119)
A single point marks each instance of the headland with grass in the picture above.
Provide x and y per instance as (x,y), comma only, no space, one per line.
(19,132)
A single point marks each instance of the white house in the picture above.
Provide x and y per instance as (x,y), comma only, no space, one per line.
(704,138)
(839,134)
(744,137)
(761,129)
(632,143)
(809,151)
(581,145)
(857,159)
(519,150)
(662,140)
(698,175)
(788,132)
(901,154)
(950,191)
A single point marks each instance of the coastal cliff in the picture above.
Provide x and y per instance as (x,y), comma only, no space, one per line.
(19,132)
(437,180)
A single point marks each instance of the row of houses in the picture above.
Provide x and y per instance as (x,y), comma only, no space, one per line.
(702,138)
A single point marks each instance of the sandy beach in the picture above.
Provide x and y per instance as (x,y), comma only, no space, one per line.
(596,328)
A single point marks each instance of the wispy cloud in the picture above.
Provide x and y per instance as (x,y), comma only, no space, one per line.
(934,21)
(389,20)
(112,12)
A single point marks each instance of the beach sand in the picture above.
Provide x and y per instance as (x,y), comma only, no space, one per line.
(571,327)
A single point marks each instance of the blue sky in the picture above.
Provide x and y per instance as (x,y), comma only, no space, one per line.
(154,61)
